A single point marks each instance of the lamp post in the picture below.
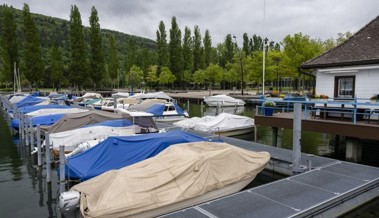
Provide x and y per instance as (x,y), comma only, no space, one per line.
(241,69)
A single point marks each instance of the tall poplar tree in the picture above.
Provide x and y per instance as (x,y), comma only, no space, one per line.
(176,55)
(245,46)
(56,66)
(229,49)
(187,50)
(207,48)
(114,63)
(130,58)
(163,54)
(33,66)
(97,54)
(197,49)
(9,44)
(78,64)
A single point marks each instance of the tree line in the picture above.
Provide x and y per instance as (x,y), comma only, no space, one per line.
(74,56)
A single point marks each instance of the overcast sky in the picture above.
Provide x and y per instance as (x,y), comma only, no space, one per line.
(316,18)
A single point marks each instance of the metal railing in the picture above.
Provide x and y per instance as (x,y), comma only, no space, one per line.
(356,109)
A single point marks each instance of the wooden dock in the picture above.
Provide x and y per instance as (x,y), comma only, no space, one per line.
(361,129)
(327,188)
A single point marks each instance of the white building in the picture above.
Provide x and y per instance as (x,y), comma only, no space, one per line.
(350,69)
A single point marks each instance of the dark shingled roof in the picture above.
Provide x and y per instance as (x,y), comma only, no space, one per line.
(360,49)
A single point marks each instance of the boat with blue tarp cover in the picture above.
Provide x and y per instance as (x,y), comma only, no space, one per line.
(117,152)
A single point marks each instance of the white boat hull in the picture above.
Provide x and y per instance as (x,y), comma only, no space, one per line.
(224,104)
(234,132)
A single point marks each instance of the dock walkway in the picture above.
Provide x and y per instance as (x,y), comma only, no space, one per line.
(330,188)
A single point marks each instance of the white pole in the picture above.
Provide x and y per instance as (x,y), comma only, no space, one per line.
(264,48)
(47,155)
(296,149)
(39,145)
(62,161)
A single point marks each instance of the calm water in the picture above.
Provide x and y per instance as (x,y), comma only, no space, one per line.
(25,192)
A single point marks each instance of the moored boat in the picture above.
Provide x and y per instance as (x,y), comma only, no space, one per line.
(183,175)
(223,101)
(224,124)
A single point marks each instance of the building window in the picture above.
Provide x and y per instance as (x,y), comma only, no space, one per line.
(344,87)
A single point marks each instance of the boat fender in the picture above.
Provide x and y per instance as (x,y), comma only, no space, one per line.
(69,200)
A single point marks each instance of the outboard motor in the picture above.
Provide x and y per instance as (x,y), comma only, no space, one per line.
(69,202)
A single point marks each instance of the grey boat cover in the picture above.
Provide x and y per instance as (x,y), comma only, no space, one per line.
(146,104)
(77,120)
(182,172)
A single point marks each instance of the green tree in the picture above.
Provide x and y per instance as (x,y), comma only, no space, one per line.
(256,43)
(207,48)
(229,49)
(97,54)
(176,55)
(197,47)
(78,57)
(245,46)
(162,49)
(298,49)
(276,67)
(342,37)
(9,44)
(253,68)
(232,74)
(213,74)
(135,77)
(221,52)
(166,77)
(33,65)
(131,54)
(114,63)
(152,77)
(56,67)
(198,77)
(187,50)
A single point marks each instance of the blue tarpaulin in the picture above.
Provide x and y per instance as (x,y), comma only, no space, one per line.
(112,123)
(46,120)
(178,109)
(29,101)
(156,109)
(117,152)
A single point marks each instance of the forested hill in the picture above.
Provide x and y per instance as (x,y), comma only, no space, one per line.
(55,30)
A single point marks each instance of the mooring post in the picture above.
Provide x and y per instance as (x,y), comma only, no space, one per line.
(39,146)
(47,155)
(296,149)
(309,161)
(275,136)
(114,102)
(217,108)
(188,106)
(62,160)
(26,124)
(31,135)
(21,127)
(202,109)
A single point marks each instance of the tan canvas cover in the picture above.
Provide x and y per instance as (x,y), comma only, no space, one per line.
(73,121)
(181,172)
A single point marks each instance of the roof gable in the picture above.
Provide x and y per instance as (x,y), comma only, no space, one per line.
(360,49)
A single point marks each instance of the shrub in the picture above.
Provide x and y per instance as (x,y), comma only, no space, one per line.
(269,104)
